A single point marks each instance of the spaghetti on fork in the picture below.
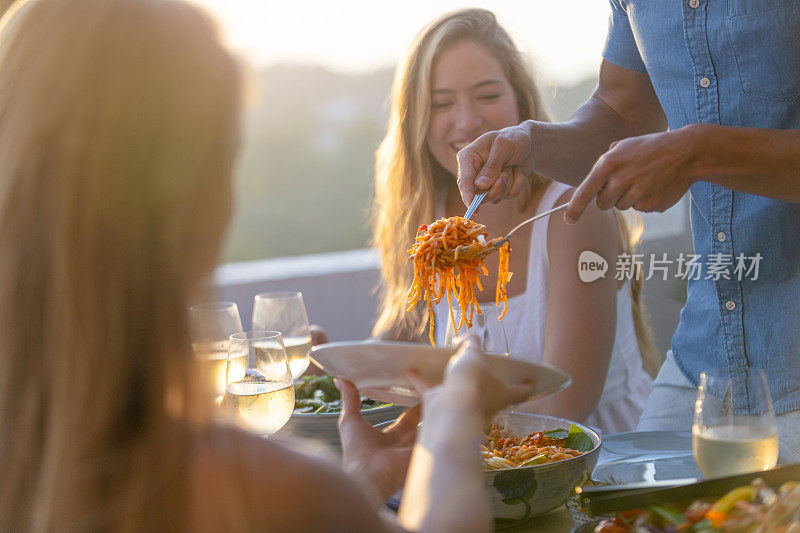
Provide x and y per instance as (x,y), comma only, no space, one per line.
(448,258)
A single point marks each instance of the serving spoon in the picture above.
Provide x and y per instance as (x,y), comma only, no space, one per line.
(479,250)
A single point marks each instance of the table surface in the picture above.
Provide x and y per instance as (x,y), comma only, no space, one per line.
(556,521)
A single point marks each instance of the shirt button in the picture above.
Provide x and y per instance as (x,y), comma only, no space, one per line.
(694,3)
(730,305)
(705,82)
(721,236)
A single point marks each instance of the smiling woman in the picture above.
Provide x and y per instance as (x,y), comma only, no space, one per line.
(461,78)
(450,88)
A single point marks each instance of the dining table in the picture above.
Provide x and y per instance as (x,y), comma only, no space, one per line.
(556,521)
(634,457)
(655,457)
(622,458)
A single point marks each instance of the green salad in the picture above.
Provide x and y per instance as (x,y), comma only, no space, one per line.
(318,394)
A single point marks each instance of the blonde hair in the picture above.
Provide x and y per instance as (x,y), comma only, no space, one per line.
(117,121)
(407,178)
(629,231)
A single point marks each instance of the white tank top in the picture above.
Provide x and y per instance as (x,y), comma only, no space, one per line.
(627,384)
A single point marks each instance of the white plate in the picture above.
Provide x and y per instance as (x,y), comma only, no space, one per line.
(646,457)
(378,368)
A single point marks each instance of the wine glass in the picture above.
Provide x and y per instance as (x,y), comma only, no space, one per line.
(211,325)
(487,326)
(730,439)
(286,312)
(259,392)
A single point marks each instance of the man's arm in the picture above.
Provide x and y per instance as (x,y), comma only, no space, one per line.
(652,172)
(623,105)
(751,160)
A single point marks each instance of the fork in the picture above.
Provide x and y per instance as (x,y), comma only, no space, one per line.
(483,250)
(474,204)
(498,243)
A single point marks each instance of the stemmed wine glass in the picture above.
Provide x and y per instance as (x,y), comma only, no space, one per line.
(729,439)
(259,392)
(286,312)
(211,325)
(487,326)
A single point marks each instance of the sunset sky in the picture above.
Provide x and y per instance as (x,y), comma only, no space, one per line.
(564,37)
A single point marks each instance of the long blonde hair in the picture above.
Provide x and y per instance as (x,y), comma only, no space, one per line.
(407,178)
(117,121)
(629,231)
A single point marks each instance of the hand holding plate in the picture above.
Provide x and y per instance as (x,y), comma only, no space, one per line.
(468,369)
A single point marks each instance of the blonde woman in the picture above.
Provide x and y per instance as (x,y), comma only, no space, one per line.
(118,126)
(463,77)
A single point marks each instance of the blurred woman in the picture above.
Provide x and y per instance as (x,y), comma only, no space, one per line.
(462,77)
(118,128)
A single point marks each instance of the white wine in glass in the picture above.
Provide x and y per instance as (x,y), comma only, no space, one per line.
(211,326)
(286,312)
(259,397)
(487,326)
(727,440)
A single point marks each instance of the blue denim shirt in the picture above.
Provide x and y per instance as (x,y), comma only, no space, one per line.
(734,63)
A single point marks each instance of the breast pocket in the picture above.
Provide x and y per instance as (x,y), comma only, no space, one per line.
(765,39)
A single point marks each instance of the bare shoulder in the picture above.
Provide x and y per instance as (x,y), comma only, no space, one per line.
(241,482)
(596,230)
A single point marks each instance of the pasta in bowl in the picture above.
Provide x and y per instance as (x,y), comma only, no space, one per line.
(504,450)
(532,476)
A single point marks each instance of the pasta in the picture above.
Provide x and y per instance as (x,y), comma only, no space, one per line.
(448,258)
(502,450)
